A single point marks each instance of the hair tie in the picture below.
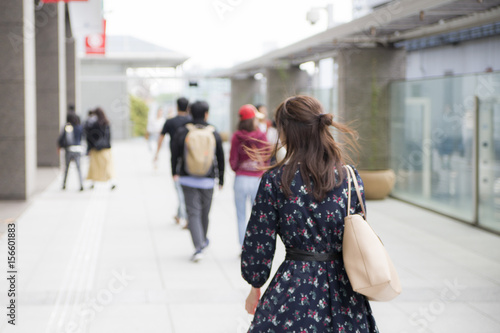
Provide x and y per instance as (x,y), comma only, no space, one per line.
(320,118)
(328,120)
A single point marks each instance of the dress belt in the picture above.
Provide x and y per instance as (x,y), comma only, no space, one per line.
(296,254)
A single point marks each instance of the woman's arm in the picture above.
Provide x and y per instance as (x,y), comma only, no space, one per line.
(260,237)
(233,154)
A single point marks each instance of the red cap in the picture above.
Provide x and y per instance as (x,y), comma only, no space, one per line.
(248,111)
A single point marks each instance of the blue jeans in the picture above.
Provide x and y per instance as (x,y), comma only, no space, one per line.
(72,156)
(245,189)
(181,210)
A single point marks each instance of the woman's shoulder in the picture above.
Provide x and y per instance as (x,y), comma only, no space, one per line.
(274,173)
(346,168)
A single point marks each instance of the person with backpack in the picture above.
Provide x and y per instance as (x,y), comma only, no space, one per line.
(197,159)
(70,139)
(247,138)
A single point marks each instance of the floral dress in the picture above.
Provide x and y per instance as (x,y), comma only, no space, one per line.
(303,296)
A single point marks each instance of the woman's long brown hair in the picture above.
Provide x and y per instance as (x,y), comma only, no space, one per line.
(304,130)
(101,117)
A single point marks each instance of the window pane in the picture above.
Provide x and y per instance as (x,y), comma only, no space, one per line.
(431,144)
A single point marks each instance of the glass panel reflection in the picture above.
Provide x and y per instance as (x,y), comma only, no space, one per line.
(432,144)
(489,151)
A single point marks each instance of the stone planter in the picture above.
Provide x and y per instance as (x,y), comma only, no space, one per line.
(378,184)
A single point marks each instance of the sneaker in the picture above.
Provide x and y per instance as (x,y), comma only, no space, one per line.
(197,256)
(81,188)
(113,187)
(207,241)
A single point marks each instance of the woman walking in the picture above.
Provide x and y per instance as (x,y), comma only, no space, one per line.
(248,171)
(98,134)
(303,199)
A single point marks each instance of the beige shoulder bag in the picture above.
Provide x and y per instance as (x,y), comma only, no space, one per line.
(368,266)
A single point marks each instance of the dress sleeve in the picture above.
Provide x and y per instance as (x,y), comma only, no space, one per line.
(260,238)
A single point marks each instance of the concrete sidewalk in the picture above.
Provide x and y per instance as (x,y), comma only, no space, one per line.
(114,261)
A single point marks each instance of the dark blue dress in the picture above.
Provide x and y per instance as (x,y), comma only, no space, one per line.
(303,296)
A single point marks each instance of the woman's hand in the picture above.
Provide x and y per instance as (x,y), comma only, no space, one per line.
(252,300)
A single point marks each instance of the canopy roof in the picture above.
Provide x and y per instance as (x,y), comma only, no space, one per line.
(391,23)
(134,52)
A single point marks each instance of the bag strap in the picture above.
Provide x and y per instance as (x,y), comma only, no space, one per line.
(352,175)
(191,126)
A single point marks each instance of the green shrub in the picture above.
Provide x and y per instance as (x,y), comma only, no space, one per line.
(139,115)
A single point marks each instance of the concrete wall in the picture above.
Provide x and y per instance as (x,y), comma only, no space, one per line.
(283,83)
(242,92)
(51,80)
(70,62)
(364,77)
(17,100)
(105,85)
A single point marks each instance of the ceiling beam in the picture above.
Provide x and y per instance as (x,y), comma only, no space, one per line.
(472,20)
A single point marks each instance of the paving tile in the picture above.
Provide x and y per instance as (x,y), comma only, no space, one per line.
(132,318)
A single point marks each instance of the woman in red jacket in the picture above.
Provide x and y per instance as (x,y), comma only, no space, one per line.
(248,171)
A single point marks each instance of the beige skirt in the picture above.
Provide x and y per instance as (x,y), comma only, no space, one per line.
(101,166)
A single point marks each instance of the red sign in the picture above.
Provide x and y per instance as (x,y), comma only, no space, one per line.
(96,43)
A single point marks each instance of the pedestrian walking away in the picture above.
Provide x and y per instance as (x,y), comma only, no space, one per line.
(197,159)
(91,118)
(98,132)
(153,130)
(171,126)
(70,140)
(248,171)
(303,199)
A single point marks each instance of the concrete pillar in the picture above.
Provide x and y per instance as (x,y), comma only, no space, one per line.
(104,84)
(70,63)
(363,82)
(50,79)
(283,83)
(243,91)
(17,100)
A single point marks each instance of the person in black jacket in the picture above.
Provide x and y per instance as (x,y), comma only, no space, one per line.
(98,135)
(171,126)
(198,189)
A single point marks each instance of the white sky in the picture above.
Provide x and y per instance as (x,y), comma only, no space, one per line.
(238,31)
